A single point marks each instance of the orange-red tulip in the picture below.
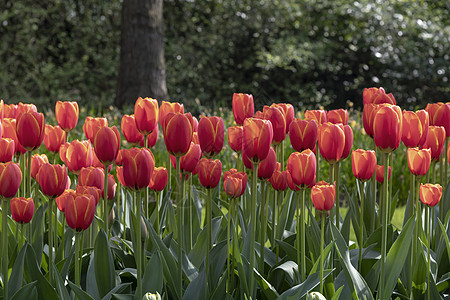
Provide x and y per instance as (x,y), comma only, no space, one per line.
(279,178)
(369,112)
(67,114)
(377,96)
(193,121)
(80,212)
(276,116)
(189,161)
(37,160)
(320,116)
(61,200)
(323,195)
(380,173)
(159,179)
(129,129)
(364,163)
(54,137)
(430,194)
(303,134)
(107,144)
(92,125)
(448,153)
(10,179)
(9,111)
(146,112)
(331,141)
(302,168)
(78,155)
(419,161)
(52,179)
(211,135)
(257,137)
(7,148)
(90,190)
(387,128)
(22,209)
(30,130)
(9,131)
(288,112)
(338,116)
(268,165)
(243,107)
(235,135)
(209,172)
(234,183)
(138,165)
(435,141)
(290,182)
(415,128)
(439,114)
(92,176)
(152,138)
(169,107)
(25,108)
(119,171)
(348,132)
(177,132)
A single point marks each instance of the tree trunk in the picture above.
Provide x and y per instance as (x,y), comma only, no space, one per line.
(142,71)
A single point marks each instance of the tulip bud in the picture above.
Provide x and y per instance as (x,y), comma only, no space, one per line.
(320,116)
(243,107)
(61,200)
(267,166)
(129,129)
(323,196)
(159,179)
(10,179)
(209,172)
(288,112)
(276,117)
(54,137)
(80,211)
(146,112)
(414,128)
(9,131)
(169,107)
(430,194)
(302,168)
(387,128)
(22,209)
(419,161)
(380,173)
(92,125)
(7,148)
(138,165)
(338,116)
(235,135)
(78,155)
(439,114)
(52,179)
(303,134)
(37,160)
(189,161)
(279,179)
(211,134)
(257,137)
(107,144)
(177,132)
(331,142)
(30,130)
(363,164)
(149,296)
(377,96)
(435,141)
(67,115)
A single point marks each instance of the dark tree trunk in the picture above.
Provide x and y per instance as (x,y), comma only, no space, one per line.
(142,71)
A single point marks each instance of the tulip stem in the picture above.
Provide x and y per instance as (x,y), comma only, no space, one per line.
(384,226)
(63,225)
(5,256)
(322,230)
(157,211)
(77,259)
(50,240)
(264,201)
(228,247)
(301,235)
(21,236)
(169,171)
(179,198)
(361,226)
(333,210)
(274,223)
(428,211)
(374,195)
(253,229)
(190,206)
(55,209)
(336,178)
(105,202)
(138,247)
(208,236)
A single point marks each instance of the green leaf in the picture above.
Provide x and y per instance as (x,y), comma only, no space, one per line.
(153,275)
(37,240)
(358,285)
(82,295)
(28,292)
(197,288)
(269,291)
(103,264)
(123,287)
(16,277)
(62,290)
(299,291)
(337,294)
(445,235)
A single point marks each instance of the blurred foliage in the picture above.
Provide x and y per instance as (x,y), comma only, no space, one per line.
(308,53)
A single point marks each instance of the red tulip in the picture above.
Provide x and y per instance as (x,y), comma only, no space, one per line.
(234,183)
(348,132)
(9,111)
(177,134)
(331,141)
(279,179)
(22,209)
(320,116)
(243,107)
(7,148)
(98,164)
(54,137)
(209,172)
(195,138)
(338,116)
(323,195)
(129,129)
(10,179)
(78,155)
(435,141)
(159,179)
(90,190)
(276,117)
(288,112)
(369,112)
(363,164)
(303,134)
(189,161)
(138,165)
(119,171)
(259,115)
(290,182)
(380,173)
(193,121)
(146,112)
(211,134)
(387,128)
(9,131)
(107,144)
(92,125)
(25,108)
(152,138)
(80,212)
(61,200)
(268,165)
(52,179)
(30,130)
(377,96)
(439,114)
(169,107)
(415,128)
(67,115)
(235,134)
(302,168)
(419,161)
(112,186)
(92,176)
(37,160)
(257,137)
(430,194)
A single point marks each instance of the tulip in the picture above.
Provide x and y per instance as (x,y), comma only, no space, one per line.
(7,148)
(338,116)
(80,212)
(119,171)
(259,115)
(331,141)
(276,117)
(235,174)
(348,132)
(235,135)
(89,190)
(138,165)
(61,200)
(419,161)
(303,134)
(129,129)
(430,194)
(177,134)
(92,176)
(363,164)
(257,137)
(288,112)
(302,168)
(209,172)
(369,112)
(189,161)
(54,137)
(320,116)
(267,166)
(211,135)
(67,114)
(52,179)
(323,196)
(243,107)
(63,151)
(193,121)
(234,184)
(146,112)
(377,96)
(387,128)
(415,128)
(22,209)
(169,107)
(152,138)
(10,179)
(435,141)
(37,160)
(112,186)
(78,155)
(30,130)
(380,173)
(9,111)
(439,114)
(25,108)
(92,125)
(107,144)
(159,178)
(279,179)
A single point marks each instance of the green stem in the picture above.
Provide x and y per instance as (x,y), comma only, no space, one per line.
(5,256)
(169,172)
(253,230)
(279,229)
(374,195)
(333,210)
(361,226)
(234,236)
(138,247)
(208,235)
(274,223)
(428,252)
(228,248)
(336,178)
(105,203)
(50,240)
(157,212)
(384,222)
(146,188)
(21,236)
(118,199)
(179,198)
(55,211)
(63,225)
(390,191)
(441,176)
(262,237)
(322,230)
(190,207)
(77,259)
(302,235)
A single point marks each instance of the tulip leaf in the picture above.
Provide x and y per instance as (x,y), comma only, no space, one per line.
(91,282)
(28,292)
(103,264)
(269,291)
(218,258)
(220,288)
(123,287)
(197,288)
(122,297)
(445,235)
(16,277)
(354,279)
(153,275)
(37,225)
(81,295)
(299,291)
(61,289)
